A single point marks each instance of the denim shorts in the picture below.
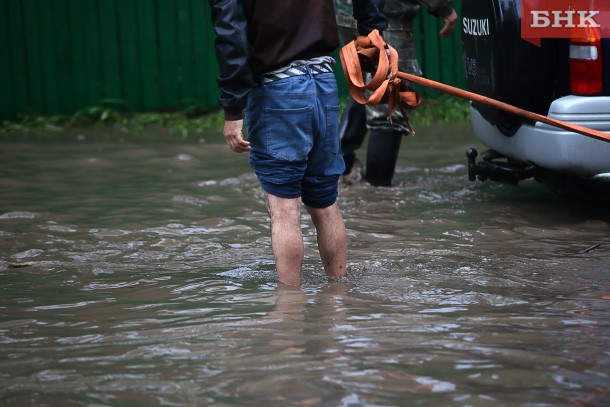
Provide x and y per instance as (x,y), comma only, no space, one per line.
(292,125)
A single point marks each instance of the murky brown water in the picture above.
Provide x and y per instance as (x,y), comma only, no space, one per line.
(140,273)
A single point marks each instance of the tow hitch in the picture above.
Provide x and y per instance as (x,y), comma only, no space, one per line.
(496,167)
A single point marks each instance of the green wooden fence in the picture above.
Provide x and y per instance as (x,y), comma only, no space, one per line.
(60,56)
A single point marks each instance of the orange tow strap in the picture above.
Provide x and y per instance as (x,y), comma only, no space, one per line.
(386,86)
(372,51)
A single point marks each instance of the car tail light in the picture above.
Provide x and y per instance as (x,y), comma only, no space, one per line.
(586,63)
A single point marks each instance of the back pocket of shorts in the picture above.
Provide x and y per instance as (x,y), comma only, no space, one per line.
(288,133)
(331,138)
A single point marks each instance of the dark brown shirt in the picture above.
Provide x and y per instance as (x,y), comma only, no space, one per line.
(254,37)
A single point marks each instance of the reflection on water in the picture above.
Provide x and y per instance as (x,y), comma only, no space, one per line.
(141,273)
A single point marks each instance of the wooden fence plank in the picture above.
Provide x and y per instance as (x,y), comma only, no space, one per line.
(200,51)
(21,84)
(212,69)
(7,96)
(109,46)
(147,43)
(185,79)
(33,56)
(63,49)
(129,58)
(48,60)
(86,53)
(168,55)
(205,65)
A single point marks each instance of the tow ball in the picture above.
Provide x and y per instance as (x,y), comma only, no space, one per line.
(496,167)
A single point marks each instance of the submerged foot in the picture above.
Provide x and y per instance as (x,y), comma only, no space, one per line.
(355,176)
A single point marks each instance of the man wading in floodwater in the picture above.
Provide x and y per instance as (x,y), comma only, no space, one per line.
(274,63)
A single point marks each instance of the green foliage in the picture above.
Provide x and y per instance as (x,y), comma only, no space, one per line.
(50,123)
(195,119)
(437,111)
(440,111)
(111,113)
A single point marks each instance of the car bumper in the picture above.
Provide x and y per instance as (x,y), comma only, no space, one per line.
(553,148)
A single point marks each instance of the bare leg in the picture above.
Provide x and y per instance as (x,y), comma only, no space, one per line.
(332,241)
(286,237)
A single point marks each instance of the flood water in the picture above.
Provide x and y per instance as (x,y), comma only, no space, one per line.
(139,272)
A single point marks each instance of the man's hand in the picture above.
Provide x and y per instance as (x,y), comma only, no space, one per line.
(450,23)
(234,136)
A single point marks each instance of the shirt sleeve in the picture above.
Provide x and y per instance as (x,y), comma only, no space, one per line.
(235,79)
(369,15)
(439,8)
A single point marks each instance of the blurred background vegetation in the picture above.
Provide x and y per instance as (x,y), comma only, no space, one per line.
(439,110)
(133,63)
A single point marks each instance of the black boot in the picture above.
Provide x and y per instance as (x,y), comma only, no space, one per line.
(381,156)
(352,131)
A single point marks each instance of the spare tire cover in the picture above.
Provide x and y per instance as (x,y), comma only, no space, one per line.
(501,65)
